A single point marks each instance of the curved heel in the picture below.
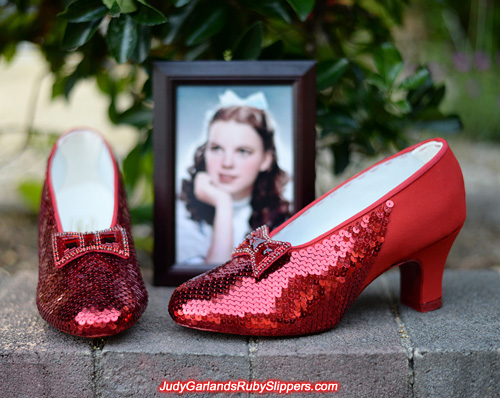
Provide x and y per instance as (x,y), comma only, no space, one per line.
(422,276)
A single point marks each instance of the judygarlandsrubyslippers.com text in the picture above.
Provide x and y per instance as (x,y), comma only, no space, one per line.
(256,387)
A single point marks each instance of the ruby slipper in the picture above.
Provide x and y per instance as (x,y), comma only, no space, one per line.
(89,281)
(404,211)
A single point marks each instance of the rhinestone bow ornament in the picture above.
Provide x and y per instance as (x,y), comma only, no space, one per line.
(70,245)
(263,251)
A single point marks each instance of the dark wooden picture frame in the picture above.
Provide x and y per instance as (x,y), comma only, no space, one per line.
(167,77)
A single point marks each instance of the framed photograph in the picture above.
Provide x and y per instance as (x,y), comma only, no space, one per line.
(234,149)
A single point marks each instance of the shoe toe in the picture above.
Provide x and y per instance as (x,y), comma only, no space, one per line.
(95,320)
(94,297)
(210,301)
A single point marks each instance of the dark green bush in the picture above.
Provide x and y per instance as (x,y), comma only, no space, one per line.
(366,100)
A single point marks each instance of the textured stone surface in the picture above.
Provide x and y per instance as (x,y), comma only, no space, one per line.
(457,348)
(135,363)
(37,360)
(378,349)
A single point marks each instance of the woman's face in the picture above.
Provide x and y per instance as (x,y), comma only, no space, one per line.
(234,157)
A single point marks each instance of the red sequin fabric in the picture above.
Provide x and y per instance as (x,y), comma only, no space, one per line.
(295,291)
(89,284)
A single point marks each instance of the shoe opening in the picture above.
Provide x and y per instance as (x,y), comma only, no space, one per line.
(355,196)
(83,181)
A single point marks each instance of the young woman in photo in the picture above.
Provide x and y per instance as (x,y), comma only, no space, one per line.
(235,186)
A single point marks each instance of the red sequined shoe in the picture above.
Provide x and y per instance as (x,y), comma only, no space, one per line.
(404,211)
(89,282)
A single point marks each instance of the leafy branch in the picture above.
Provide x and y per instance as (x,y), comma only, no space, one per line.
(366,101)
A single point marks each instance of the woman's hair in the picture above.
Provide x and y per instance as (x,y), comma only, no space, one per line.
(268,205)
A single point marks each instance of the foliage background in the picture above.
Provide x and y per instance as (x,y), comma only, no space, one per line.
(368,100)
(460,42)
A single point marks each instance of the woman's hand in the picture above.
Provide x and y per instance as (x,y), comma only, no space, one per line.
(221,245)
(205,191)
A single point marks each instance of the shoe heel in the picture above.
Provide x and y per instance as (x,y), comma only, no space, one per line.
(422,276)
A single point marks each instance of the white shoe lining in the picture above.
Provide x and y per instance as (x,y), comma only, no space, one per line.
(83,175)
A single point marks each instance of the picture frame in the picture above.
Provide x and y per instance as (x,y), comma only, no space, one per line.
(179,89)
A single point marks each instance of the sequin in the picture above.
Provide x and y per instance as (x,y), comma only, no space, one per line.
(308,289)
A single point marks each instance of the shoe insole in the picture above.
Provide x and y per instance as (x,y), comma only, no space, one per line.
(83,181)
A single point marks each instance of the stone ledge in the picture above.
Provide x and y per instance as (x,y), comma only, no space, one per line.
(379,349)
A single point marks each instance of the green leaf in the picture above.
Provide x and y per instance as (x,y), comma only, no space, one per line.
(271,9)
(426,97)
(143,45)
(138,162)
(341,156)
(337,123)
(70,82)
(437,96)
(127,6)
(131,166)
(115,11)
(9,51)
(365,146)
(77,34)
(403,106)
(138,116)
(143,215)
(84,11)
(415,80)
(197,52)
(174,24)
(112,111)
(388,62)
(212,23)
(148,15)
(376,80)
(65,84)
(58,87)
(180,3)
(436,122)
(122,37)
(249,46)
(109,3)
(416,95)
(31,192)
(105,84)
(329,72)
(302,7)
(147,89)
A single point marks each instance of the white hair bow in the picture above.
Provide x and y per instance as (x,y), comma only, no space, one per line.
(256,100)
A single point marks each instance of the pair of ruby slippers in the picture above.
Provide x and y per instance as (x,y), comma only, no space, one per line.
(301,278)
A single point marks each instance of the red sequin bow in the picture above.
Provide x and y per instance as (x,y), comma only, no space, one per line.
(67,246)
(263,251)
